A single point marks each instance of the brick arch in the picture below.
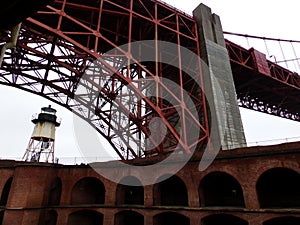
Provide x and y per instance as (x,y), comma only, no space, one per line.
(88,190)
(174,189)
(69,183)
(279,187)
(173,218)
(257,169)
(286,220)
(128,217)
(228,169)
(91,174)
(232,171)
(86,217)
(220,189)
(216,219)
(261,168)
(130,194)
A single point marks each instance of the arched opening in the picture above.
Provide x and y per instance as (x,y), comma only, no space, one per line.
(88,190)
(55,192)
(128,218)
(170,218)
(221,190)
(287,220)
(279,188)
(85,217)
(223,219)
(170,192)
(51,217)
(5,192)
(130,194)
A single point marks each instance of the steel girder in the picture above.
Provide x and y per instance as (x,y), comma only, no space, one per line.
(262,85)
(70,39)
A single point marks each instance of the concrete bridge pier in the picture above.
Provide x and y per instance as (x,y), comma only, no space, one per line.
(226,124)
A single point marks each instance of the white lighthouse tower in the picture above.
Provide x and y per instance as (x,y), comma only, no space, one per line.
(41,144)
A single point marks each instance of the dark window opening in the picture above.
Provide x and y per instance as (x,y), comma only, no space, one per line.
(223,219)
(279,188)
(288,220)
(171,192)
(88,191)
(85,217)
(220,190)
(130,194)
(1,216)
(129,218)
(170,218)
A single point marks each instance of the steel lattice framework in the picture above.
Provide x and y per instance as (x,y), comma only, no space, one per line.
(262,85)
(59,45)
(70,53)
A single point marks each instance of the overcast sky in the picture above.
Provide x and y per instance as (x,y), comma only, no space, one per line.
(256,17)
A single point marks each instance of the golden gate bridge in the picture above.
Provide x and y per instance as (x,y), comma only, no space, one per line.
(61,40)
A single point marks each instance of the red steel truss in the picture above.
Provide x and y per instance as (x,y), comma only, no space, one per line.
(262,85)
(59,44)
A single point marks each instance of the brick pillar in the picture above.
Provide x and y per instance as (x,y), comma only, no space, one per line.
(194,220)
(148,219)
(192,189)
(62,217)
(109,218)
(65,198)
(110,193)
(250,194)
(148,195)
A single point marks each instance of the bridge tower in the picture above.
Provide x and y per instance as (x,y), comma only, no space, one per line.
(218,82)
(41,144)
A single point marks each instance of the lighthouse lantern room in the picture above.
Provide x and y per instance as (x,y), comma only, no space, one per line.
(41,144)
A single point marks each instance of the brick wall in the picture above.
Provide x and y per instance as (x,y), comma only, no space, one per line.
(211,194)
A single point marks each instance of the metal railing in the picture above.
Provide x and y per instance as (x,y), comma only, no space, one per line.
(79,160)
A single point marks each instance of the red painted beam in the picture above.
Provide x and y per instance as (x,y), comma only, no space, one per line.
(263,85)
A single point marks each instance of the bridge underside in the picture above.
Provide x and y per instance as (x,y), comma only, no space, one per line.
(262,85)
(13,12)
(69,52)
